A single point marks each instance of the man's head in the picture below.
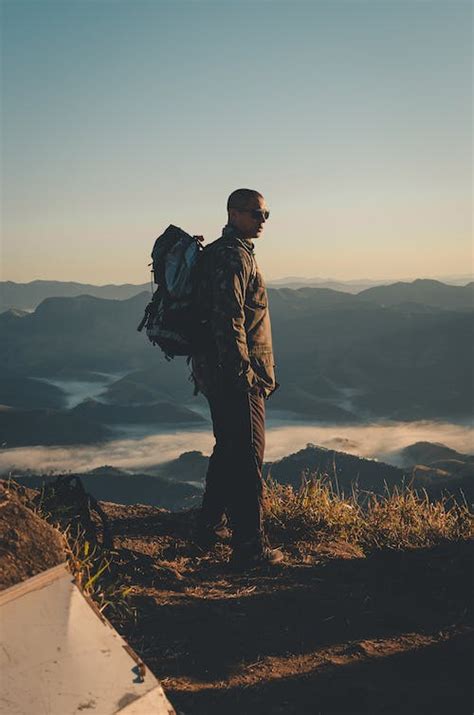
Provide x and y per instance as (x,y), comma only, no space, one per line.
(247,212)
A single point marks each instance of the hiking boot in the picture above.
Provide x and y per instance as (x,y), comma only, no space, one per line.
(250,556)
(206,538)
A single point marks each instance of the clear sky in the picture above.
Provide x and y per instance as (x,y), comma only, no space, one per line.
(352,117)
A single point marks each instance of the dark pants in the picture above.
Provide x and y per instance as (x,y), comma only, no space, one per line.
(234,477)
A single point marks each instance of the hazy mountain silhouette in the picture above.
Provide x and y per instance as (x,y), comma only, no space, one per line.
(111,484)
(356,285)
(339,357)
(30,295)
(295,282)
(20,428)
(438,467)
(10,316)
(189,467)
(173,484)
(424,292)
(26,392)
(394,362)
(346,470)
(86,423)
(27,296)
(83,333)
(165,381)
(431,453)
(160,413)
(341,468)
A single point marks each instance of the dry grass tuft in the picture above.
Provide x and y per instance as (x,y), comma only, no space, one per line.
(402,519)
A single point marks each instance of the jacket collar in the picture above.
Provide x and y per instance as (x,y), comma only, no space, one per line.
(231,234)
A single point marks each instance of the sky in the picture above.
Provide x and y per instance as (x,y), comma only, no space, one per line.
(352,117)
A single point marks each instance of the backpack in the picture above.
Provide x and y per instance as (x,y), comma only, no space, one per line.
(170,317)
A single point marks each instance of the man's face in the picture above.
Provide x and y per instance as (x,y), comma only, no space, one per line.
(249,221)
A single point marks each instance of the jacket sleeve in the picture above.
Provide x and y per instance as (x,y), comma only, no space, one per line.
(229,279)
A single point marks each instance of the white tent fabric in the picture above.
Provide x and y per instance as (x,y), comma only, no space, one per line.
(59,656)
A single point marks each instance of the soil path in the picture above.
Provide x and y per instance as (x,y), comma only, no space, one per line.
(330,632)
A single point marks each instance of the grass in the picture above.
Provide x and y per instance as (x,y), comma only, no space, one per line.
(94,568)
(303,520)
(401,519)
(93,572)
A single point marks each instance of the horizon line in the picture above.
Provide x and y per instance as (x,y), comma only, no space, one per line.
(469,277)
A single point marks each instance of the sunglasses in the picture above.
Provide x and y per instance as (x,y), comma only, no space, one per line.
(257,214)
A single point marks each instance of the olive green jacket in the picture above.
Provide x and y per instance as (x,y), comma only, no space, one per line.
(238,350)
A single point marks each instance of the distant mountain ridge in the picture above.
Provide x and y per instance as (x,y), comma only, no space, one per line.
(344,470)
(183,477)
(355,285)
(87,423)
(423,292)
(27,296)
(340,357)
(111,484)
(23,427)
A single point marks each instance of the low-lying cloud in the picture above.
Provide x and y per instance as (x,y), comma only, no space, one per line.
(377,441)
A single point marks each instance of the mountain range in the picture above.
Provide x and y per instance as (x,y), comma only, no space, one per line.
(88,423)
(422,471)
(179,483)
(400,352)
(110,484)
(27,296)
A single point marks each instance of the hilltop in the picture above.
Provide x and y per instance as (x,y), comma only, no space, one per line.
(334,631)
(371,613)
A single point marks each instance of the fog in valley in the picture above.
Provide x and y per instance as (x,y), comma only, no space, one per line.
(379,441)
(75,391)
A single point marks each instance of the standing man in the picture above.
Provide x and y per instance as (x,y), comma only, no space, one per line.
(235,371)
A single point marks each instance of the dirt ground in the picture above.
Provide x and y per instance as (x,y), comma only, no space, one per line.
(332,631)
(28,545)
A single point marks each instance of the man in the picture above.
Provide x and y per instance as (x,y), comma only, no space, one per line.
(235,371)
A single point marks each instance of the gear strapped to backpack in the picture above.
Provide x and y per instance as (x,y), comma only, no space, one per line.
(170,317)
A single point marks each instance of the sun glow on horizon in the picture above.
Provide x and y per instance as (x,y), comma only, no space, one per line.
(356,128)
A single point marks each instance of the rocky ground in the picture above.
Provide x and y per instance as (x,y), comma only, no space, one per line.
(332,631)
(28,544)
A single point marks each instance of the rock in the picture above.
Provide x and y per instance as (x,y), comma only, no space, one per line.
(28,544)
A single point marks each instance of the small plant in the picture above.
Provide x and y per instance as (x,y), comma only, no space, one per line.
(94,572)
(94,567)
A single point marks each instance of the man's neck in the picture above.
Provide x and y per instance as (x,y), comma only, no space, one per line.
(232,232)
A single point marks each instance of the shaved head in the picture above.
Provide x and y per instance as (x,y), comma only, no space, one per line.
(242,198)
